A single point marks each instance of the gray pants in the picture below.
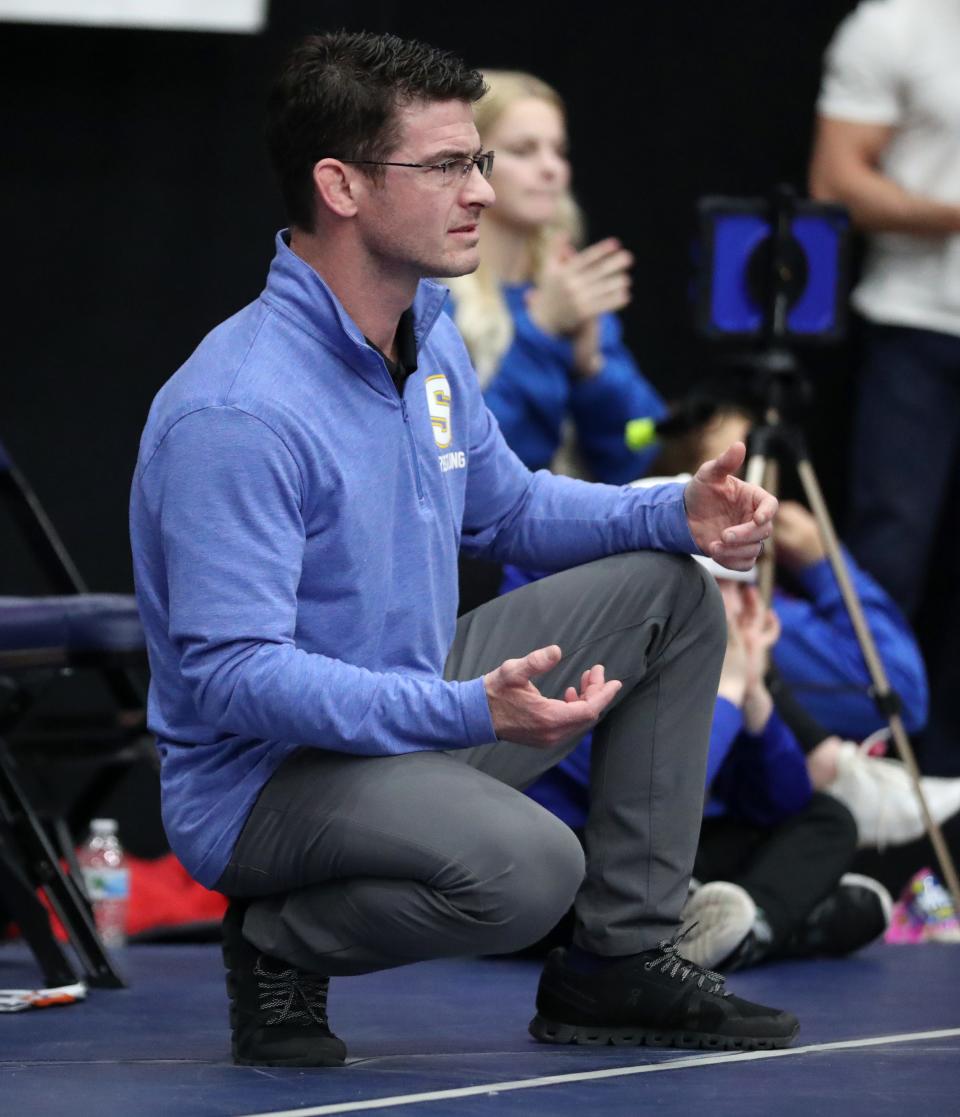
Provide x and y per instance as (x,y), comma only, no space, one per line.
(355,863)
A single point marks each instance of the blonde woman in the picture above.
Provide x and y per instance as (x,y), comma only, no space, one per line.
(538,315)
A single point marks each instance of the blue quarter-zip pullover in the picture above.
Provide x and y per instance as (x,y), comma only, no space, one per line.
(295,525)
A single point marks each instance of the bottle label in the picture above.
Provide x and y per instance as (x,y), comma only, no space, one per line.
(104,883)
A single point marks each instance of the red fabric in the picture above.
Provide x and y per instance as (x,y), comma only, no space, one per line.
(162,894)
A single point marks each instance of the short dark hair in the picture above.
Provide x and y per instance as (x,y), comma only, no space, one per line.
(338,94)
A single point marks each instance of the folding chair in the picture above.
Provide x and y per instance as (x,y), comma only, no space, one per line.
(42,639)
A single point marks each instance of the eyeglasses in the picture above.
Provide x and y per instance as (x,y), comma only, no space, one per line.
(451,170)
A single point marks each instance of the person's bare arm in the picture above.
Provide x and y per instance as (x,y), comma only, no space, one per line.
(845,168)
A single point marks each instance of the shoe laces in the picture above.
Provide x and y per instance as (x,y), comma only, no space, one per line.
(292,996)
(671,962)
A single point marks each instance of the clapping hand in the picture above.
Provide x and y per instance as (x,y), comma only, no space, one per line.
(575,288)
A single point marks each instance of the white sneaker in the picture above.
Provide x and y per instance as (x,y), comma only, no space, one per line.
(880,795)
(723,914)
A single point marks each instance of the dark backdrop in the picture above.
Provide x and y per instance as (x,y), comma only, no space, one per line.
(139,208)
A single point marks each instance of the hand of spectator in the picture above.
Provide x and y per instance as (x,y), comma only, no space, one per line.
(823,764)
(760,629)
(729,518)
(587,358)
(520,713)
(797,537)
(733,674)
(576,287)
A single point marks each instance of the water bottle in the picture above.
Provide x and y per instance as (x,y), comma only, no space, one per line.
(107,881)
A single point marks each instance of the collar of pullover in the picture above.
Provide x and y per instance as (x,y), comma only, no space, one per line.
(297,292)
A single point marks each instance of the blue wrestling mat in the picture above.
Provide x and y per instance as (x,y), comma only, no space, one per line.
(880,1034)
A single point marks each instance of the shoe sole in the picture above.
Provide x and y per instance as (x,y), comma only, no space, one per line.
(333,1061)
(857,880)
(548,1031)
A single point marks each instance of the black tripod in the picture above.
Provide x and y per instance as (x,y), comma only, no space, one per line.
(772,442)
(776,270)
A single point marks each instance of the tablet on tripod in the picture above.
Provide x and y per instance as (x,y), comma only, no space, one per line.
(772,270)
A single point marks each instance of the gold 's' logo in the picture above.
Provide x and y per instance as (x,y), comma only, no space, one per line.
(439,406)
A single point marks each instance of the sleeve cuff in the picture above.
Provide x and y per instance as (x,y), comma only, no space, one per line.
(727,719)
(562,347)
(662,523)
(840,108)
(676,526)
(476,714)
(774,729)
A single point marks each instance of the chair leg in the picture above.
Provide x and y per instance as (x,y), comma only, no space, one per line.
(31,916)
(40,867)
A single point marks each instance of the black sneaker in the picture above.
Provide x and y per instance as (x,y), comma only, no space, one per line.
(855,913)
(656,998)
(278,1014)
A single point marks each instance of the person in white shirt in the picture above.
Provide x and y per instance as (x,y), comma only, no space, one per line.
(888,147)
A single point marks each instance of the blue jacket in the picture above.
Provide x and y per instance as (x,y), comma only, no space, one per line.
(758,778)
(534,391)
(295,525)
(819,658)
